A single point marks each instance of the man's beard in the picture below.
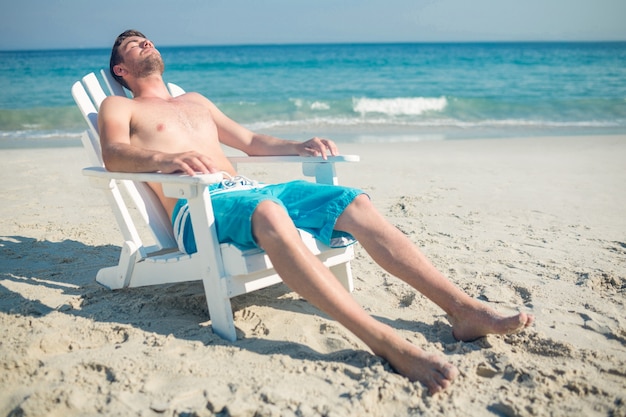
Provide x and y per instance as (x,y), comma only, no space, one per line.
(152,64)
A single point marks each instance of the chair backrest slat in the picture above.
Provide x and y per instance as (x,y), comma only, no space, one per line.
(95,90)
(89,112)
(175,90)
(114,87)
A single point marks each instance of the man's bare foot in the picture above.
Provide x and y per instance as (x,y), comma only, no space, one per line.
(417,365)
(481,321)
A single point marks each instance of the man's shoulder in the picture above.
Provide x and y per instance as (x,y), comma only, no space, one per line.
(194,95)
(115,106)
(117,100)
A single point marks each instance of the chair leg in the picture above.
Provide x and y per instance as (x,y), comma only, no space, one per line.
(343,273)
(220,309)
(119,276)
(211,268)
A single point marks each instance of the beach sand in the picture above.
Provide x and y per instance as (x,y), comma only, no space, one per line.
(534,224)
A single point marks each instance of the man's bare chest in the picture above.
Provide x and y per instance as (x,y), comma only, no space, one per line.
(158,121)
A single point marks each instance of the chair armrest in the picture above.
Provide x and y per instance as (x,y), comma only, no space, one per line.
(289,158)
(174,185)
(99,172)
(312,166)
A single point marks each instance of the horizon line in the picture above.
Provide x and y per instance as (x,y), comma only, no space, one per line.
(338,43)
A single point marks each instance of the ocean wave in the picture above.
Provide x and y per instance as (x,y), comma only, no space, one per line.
(409,106)
(40,134)
(381,122)
(315,105)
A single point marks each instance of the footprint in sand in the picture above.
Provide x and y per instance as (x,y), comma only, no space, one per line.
(250,323)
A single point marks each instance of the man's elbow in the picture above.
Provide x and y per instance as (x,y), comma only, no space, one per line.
(111,163)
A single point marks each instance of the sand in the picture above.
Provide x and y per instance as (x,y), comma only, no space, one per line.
(535,224)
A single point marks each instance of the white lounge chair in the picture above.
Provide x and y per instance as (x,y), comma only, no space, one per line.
(224,270)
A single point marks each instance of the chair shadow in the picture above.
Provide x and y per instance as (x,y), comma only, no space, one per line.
(62,274)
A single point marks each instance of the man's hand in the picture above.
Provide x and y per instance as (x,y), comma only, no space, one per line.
(190,163)
(317,147)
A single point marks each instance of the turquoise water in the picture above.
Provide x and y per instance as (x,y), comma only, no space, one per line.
(373,92)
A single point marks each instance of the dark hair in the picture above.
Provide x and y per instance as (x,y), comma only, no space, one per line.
(116,57)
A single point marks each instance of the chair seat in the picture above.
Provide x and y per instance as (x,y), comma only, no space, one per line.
(245,268)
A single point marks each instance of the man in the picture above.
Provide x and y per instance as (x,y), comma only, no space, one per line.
(156,132)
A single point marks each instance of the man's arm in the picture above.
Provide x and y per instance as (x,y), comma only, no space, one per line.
(118,154)
(256,144)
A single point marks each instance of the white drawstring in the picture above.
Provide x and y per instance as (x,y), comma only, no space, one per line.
(237,181)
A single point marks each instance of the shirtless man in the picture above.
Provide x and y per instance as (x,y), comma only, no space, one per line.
(157,132)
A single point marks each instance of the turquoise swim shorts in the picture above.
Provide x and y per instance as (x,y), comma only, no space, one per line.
(313,207)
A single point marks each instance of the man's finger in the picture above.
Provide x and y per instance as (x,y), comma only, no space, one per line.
(332,147)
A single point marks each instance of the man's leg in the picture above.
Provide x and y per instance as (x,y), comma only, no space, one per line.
(393,251)
(305,274)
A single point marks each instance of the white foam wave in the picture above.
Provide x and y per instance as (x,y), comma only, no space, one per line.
(40,134)
(320,105)
(442,123)
(316,105)
(411,106)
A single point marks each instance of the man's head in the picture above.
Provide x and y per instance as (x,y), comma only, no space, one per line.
(122,43)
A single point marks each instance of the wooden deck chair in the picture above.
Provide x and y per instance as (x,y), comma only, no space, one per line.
(225,270)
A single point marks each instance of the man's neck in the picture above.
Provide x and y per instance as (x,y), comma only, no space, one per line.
(152,86)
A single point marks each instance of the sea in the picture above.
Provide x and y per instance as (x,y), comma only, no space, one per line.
(350,92)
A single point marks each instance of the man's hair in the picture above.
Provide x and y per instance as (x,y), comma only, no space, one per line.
(116,57)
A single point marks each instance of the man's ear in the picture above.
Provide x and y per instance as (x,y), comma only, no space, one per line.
(119,70)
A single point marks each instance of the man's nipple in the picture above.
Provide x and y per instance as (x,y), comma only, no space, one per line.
(160,127)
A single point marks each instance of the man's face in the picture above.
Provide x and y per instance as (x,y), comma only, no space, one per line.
(140,57)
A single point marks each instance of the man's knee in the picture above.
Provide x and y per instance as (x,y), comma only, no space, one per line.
(268,212)
(360,205)
(270,219)
(362,202)
(356,213)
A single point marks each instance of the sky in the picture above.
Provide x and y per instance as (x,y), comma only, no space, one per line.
(61,24)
